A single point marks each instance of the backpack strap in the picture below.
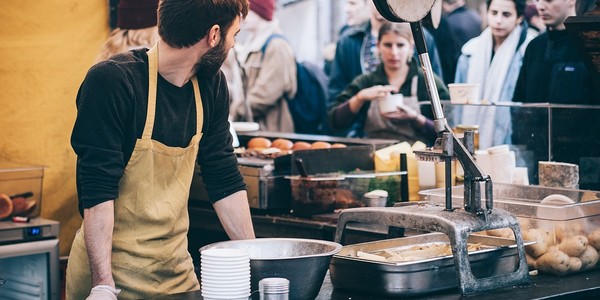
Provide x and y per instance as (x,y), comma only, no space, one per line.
(263,49)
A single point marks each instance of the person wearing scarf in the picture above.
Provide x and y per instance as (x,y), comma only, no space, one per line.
(493,59)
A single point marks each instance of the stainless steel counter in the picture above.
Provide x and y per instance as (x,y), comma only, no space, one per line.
(584,285)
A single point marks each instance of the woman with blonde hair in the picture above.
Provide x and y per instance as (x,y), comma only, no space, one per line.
(397,73)
(136,28)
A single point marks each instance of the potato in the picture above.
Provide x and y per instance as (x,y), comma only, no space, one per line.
(574,264)
(589,258)
(554,262)
(594,239)
(564,231)
(540,247)
(502,232)
(574,246)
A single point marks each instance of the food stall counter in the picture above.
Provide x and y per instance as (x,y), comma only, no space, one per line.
(576,286)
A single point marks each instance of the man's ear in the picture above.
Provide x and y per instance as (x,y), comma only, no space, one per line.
(214,35)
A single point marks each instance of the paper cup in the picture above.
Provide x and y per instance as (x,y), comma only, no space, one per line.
(463,93)
(391,103)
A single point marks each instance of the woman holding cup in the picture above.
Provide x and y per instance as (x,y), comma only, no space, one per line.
(384,103)
(493,60)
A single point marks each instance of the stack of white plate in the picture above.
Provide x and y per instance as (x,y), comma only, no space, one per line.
(225,274)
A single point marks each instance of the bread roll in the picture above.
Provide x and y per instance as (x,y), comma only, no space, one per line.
(320,145)
(6,206)
(259,143)
(300,146)
(282,144)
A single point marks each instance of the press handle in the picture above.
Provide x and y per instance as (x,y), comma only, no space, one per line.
(301,168)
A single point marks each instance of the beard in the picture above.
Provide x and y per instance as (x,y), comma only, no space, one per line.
(210,63)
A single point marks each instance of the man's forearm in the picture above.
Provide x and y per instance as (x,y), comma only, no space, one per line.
(234,214)
(98,230)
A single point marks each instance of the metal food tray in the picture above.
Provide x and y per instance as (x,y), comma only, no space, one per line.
(393,279)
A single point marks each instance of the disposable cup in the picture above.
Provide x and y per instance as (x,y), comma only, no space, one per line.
(391,103)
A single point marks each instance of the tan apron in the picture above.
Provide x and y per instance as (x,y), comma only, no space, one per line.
(377,126)
(150,251)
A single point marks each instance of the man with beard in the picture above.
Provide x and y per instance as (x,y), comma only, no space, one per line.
(144,118)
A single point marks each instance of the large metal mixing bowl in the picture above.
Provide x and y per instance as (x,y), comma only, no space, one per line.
(304,262)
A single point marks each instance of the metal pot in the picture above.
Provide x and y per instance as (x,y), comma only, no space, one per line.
(304,262)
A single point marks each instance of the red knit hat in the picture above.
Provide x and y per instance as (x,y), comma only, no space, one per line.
(136,14)
(264,8)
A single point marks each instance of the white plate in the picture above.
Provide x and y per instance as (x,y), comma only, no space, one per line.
(224,254)
(245,126)
(225,275)
(210,295)
(225,282)
(227,287)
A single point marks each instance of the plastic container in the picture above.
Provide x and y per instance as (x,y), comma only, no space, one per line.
(564,223)
(321,194)
(313,195)
(23,184)
(463,93)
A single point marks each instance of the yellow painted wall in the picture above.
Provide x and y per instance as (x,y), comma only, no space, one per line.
(46,48)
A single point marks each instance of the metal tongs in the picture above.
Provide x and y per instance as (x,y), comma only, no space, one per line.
(447,146)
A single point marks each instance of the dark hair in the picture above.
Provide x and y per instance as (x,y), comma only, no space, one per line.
(519,6)
(182,23)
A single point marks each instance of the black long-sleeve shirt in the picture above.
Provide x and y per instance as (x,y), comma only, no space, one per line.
(553,71)
(112,104)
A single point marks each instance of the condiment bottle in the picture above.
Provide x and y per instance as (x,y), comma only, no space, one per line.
(274,288)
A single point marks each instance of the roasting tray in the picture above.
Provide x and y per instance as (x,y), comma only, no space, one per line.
(395,279)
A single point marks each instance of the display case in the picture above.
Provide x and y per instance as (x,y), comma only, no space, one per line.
(22,184)
(564,223)
(545,132)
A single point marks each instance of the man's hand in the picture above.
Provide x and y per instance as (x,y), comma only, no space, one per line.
(103,292)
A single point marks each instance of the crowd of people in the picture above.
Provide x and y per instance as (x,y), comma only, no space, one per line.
(516,50)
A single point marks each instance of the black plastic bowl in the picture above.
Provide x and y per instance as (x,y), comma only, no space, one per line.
(304,262)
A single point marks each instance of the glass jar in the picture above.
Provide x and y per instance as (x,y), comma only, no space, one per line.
(460,129)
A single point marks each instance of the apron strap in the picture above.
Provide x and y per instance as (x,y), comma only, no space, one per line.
(152,88)
(199,107)
(414,85)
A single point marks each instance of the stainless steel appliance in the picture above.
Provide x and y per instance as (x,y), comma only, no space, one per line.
(267,187)
(29,263)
